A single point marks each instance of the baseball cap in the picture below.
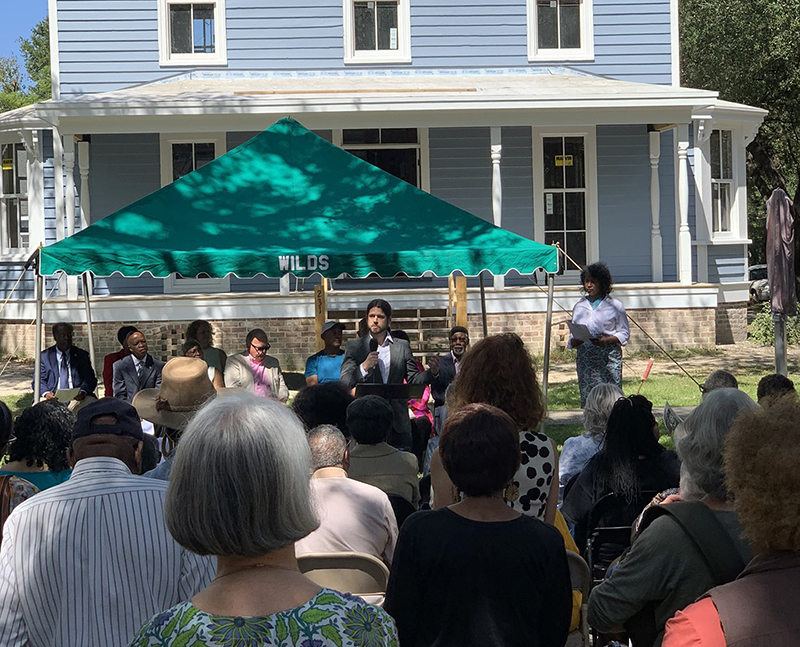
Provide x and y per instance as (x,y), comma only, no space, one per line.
(329,325)
(127,419)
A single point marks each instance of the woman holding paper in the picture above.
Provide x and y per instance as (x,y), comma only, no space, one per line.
(599,329)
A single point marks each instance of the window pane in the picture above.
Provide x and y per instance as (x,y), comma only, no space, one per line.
(553,237)
(402,163)
(724,207)
(399,136)
(570,16)
(387,25)
(573,163)
(727,155)
(365,25)
(715,165)
(180,21)
(361,136)
(552,148)
(12,222)
(576,247)
(553,211)
(203,154)
(182,162)
(7,155)
(203,27)
(575,211)
(547,24)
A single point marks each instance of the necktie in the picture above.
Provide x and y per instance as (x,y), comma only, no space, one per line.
(63,373)
(140,370)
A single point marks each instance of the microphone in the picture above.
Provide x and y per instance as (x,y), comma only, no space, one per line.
(373,345)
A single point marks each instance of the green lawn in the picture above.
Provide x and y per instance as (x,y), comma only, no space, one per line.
(17,402)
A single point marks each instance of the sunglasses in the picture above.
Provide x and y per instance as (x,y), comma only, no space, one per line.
(260,349)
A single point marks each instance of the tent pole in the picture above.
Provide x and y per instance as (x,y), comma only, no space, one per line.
(88,306)
(37,369)
(483,306)
(780,343)
(548,327)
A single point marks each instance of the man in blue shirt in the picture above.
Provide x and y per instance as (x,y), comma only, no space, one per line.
(326,365)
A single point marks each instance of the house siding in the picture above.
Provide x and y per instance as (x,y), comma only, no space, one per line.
(726,264)
(107,45)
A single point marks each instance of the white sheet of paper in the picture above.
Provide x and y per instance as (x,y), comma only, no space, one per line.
(65,395)
(579,331)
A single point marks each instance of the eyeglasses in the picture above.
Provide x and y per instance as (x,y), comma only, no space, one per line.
(260,349)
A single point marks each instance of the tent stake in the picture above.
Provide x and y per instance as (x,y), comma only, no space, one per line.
(548,326)
(87,305)
(37,370)
(483,306)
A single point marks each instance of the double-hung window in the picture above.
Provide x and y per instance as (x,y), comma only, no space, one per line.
(14,218)
(560,30)
(377,31)
(192,33)
(722,181)
(395,150)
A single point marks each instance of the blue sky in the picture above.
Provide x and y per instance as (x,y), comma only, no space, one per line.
(19,16)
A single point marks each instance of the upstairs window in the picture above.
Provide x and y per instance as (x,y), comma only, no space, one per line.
(14,219)
(560,30)
(192,33)
(377,31)
(722,180)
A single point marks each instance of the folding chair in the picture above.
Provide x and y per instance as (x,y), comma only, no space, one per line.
(356,573)
(581,579)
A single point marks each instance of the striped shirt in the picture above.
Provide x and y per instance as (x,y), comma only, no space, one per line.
(89,561)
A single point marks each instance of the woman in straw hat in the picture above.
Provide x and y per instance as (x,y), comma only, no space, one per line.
(185,388)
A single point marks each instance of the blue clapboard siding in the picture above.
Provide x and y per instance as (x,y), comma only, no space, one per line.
(726,264)
(669,206)
(26,289)
(107,44)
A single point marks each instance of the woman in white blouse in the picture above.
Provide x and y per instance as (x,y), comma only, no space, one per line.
(600,359)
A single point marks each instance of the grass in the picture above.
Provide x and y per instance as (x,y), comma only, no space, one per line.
(567,356)
(17,402)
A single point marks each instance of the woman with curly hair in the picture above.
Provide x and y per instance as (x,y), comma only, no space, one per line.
(599,360)
(499,371)
(37,452)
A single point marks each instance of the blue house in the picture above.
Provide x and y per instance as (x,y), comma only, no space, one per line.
(561,120)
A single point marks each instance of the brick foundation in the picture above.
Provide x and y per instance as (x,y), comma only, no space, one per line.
(731,322)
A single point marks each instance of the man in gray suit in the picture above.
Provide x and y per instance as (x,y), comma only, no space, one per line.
(136,371)
(378,358)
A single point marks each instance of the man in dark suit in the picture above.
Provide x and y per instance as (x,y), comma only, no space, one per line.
(391,362)
(137,371)
(448,368)
(65,366)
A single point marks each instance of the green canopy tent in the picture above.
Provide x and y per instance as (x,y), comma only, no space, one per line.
(289,202)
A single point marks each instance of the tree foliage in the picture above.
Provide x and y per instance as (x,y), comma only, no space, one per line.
(747,51)
(15,90)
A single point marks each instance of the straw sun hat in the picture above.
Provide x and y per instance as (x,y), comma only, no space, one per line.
(185,388)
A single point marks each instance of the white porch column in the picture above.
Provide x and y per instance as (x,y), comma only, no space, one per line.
(497,189)
(684,235)
(35,170)
(83,166)
(58,177)
(69,202)
(656,261)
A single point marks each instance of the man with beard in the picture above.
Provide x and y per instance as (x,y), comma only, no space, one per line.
(450,363)
(326,365)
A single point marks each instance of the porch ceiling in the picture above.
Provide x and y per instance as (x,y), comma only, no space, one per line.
(361,98)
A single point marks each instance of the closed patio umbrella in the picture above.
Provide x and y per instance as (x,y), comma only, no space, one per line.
(780,269)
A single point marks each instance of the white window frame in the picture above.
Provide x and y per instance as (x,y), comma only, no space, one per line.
(589,134)
(172,284)
(165,56)
(422,146)
(584,53)
(21,196)
(400,55)
(738,204)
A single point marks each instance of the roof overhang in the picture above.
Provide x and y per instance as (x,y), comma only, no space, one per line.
(24,118)
(361,98)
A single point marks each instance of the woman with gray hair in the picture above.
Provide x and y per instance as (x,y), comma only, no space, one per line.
(578,450)
(665,569)
(240,490)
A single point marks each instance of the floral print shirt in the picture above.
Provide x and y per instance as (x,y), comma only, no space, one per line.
(329,619)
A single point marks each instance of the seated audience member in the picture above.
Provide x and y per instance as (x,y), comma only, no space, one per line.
(450,364)
(38,450)
(203,332)
(762,453)
(65,367)
(257,448)
(665,570)
(630,462)
(323,404)
(137,371)
(718,380)
(16,489)
(326,365)
(88,561)
(478,572)
(499,371)
(373,460)
(108,360)
(774,386)
(192,348)
(578,450)
(185,388)
(255,371)
(353,516)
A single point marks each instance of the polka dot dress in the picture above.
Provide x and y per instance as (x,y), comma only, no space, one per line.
(531,485)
